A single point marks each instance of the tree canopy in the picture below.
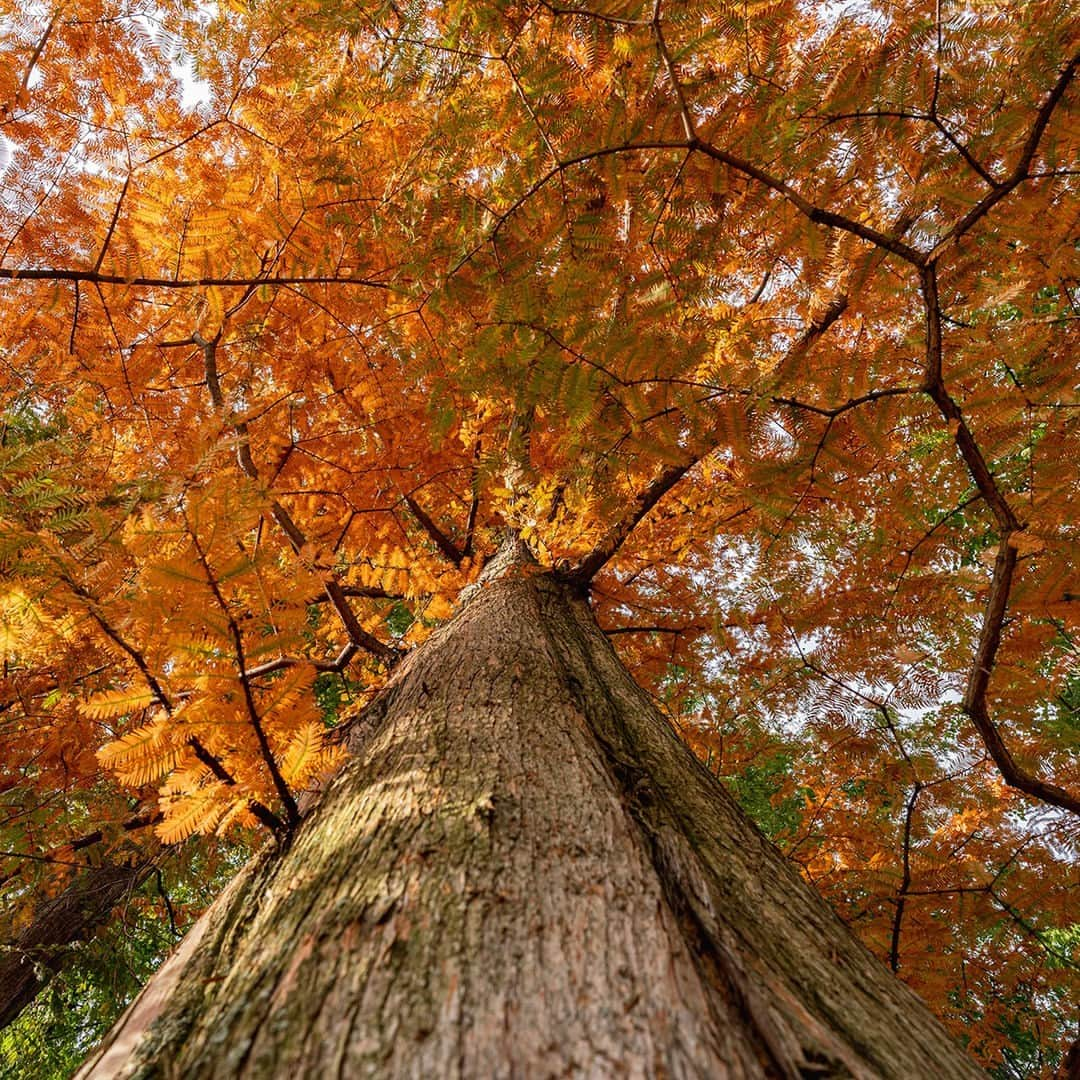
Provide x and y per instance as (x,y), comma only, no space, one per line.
(756,319)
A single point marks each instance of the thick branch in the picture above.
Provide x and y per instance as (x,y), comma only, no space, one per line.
(443,542)
(57,855)
(29,960)
(591,565)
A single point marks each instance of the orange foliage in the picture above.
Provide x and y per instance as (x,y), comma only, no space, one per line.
(758,318)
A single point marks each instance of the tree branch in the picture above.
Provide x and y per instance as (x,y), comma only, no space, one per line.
(590,566)
(112,224)
(443,542)
(97,278)
(974,703)
(39,48)
(908,114)
(905,882)
(214,764)
(292,815)
(335,592)
(1023,164)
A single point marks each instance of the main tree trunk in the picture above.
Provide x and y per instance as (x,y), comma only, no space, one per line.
(522,872)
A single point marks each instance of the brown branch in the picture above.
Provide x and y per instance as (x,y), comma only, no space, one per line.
(1023,164)
(934,386)
(975,704)
(335,592)
(905,883)
(988,889)
(168,903)
(24,83)
(600,16)
(292,815)
(112,224)
(815,213)
(262,813)
(590,566)
(470,523)
(97,278)
(853,403)
(54,857)
(443,542)
(813,333)
(117,639)
(875,703)
(818,214)
(474,502)
(694,143)
(214,764)
(338,664)
(927,118)
(676,85)
(909,554)
(140,821)
(357,634)
(34,955)
(359,592)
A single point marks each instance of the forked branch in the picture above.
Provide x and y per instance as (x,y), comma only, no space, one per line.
(262,813)
(335,591)
(292,814)
(975,703)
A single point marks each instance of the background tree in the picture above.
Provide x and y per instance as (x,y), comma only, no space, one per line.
(756,319)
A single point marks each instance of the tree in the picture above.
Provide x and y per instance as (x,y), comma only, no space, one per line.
(753,323)
(522,872)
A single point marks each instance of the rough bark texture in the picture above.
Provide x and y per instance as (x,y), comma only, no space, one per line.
(34,955)
(522,872)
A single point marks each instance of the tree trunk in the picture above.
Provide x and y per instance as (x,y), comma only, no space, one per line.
(30,959)
(522,871)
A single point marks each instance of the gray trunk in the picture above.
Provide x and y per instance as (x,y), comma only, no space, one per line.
(522,872)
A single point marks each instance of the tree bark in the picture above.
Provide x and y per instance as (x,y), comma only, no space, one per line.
(523,872)
(30,958)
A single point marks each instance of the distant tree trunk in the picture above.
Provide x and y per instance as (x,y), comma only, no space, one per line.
(522,871)
(30,958)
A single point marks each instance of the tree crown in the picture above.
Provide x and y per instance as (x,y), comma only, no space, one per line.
(754,320)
